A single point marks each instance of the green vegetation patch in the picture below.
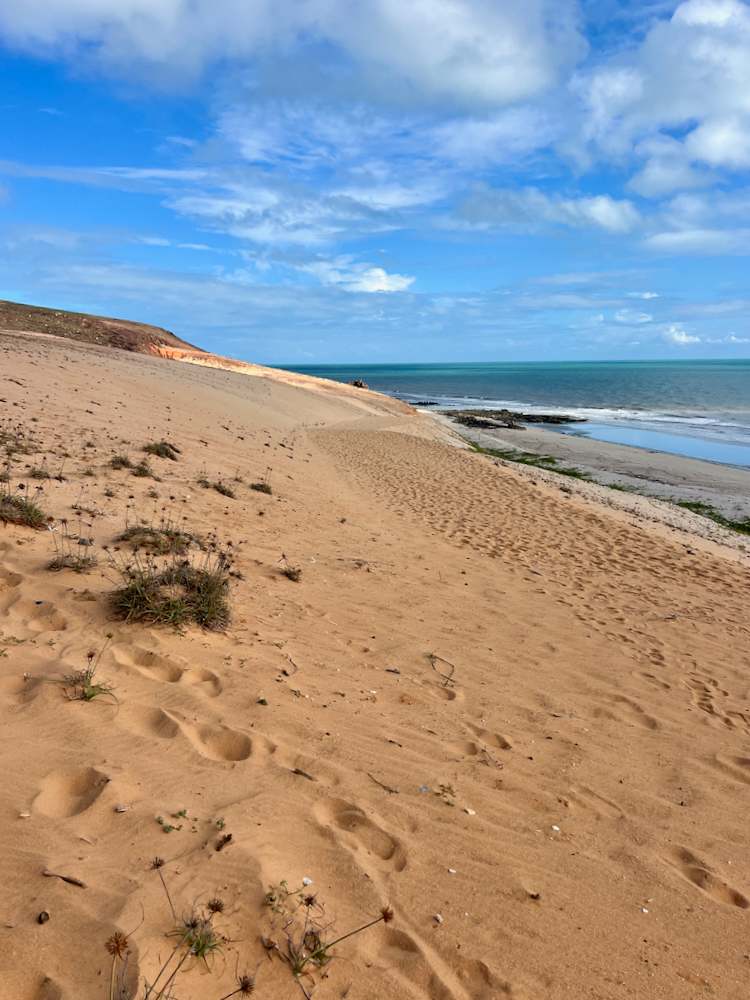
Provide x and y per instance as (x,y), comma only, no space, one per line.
(531,458)
(706,510)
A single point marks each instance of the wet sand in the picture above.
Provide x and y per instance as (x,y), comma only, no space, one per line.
(654,473)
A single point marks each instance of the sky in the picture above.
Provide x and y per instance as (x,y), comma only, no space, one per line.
(321,181)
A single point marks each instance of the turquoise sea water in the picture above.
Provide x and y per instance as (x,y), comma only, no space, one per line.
(695,408)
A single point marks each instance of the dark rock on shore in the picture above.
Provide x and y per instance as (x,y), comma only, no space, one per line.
(359,384)
(512,419)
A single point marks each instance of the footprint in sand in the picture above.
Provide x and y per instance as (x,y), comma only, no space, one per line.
(36,615)
(459,979)
(586,798)
(496,740)
(361,832)
(168,671)
(480,981)
(49,990)
(632,712)
(218,742)
(9,580)
(736,767)
(152,664)
(149,721)
(444,693)
(68,793)
(19,690)
(464,748)
(215,742)
(701,875)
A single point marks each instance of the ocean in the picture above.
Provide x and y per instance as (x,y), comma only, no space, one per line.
(696,408)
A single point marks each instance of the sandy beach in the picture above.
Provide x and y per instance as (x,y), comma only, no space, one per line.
(514,714)
(652,473)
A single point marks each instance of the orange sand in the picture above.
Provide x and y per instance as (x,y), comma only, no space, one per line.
(592,745)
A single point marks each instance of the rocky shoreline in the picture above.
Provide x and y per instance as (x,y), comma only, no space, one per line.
(631,474)
(510,419)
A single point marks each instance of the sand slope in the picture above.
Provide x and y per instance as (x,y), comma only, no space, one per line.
(567,791)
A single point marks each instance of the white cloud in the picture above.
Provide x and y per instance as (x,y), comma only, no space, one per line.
(487,208)
(676,334)
(722,141)
(643,295)
(153,241)
(471,51)
(501,137)
(629,317)
(700,241)
(729,339)
(666,169)
(344,273)
(692,71)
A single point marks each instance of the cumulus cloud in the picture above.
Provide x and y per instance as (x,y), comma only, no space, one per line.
(676,334)
(470,51)
(691,74)
(351,276)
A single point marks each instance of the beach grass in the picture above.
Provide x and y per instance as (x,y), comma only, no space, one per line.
(706,510)
(530,458)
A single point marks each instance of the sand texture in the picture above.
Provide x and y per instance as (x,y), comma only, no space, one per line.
(518,717)
(653,473)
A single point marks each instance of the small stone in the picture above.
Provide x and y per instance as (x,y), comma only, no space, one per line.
(307,881)
(121,808)
(438,918)
(470,812)
(43,917)
(24,815)
(556,829)
(451,871)
(262,701)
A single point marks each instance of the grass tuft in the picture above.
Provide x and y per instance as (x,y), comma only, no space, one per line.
(82,684)
(307,943)
(163,540)
(177,593)
(17,508)
(291,572)
(163,449)
(218,485)
(72,549)
(143,470)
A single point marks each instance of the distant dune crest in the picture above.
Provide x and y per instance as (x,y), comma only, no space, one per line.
(103,330)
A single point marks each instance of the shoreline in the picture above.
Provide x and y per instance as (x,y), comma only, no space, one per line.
(624,477)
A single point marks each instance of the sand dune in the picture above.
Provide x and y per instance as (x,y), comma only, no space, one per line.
(520,719)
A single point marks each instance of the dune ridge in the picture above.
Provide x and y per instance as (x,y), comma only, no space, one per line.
(518,718)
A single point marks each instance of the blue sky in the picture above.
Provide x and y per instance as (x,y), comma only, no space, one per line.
(312,181)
